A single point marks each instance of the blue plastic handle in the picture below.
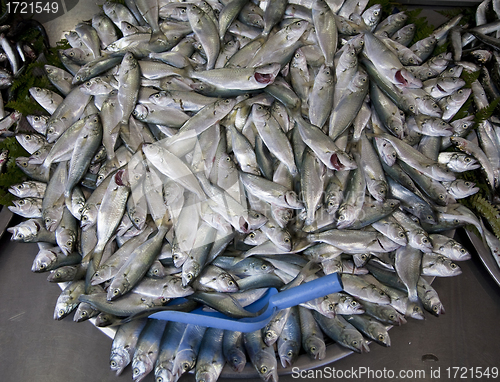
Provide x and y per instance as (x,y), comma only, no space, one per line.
(307,291)
(271,301)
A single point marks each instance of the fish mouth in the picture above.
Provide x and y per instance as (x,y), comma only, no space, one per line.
(264,78)
(244,227)
(334,160)
(400,78)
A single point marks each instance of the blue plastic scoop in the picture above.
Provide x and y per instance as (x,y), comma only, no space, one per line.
(268,304)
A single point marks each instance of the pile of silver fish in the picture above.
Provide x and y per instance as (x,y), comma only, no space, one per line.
(211,150)
(15,56)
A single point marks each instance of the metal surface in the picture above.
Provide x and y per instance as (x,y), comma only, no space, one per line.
(485,256)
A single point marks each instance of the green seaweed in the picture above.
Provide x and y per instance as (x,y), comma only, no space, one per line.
(486,112)
(491,213)
(12,174)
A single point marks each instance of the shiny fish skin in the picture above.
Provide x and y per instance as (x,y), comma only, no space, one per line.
(210,122)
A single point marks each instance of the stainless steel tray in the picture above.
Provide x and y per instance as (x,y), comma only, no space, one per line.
(485,256)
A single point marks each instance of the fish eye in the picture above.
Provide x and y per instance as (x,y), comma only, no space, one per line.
(456,221)
(269,335)
(463,251)
(425,240)
(116,292)
(467,160)
(453,265)
(61,312)
(354,303)
(401,235)
(264,266)
(429,217)
(113,364)
(354,342)
(50,130)
(313,348)
(290,353)
(380,337)
(286,240)
(392,317)
(263,370)
(189,276)
(331,307)
(230,283)
(251,235)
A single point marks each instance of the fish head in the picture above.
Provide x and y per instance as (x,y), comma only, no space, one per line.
(270,336)
(206,374)
(141,367)
(428,106)
(292,200)
(266,74)
(30,142)
(190,272)
(89,216)
(55,128)
(354,341)
(83,312)
(327,307)
(38,122)
(178,256)
(378,189)
(118,287)
(62,309)
(415,311)
(119,359)
(21,233)
(284,241)
(236,359)
(282,215)
(386,150)
(62,274)
(66,239)
(163,375)
(140,111)
(255,220)
(382,338)
(347,215)
(288,352)
(162,98)
(459,253)
(156,270)
(266,366)
(184,361)
(176,288)
(103,273)
(315,347)
(406,79)
(104,319)
(226,283)
(44,260)
(348,305)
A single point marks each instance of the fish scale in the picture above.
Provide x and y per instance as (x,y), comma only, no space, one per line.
(183,138)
